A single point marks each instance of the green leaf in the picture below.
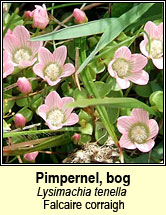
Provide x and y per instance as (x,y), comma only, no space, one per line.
(28,114)
(88,129)
(143,91)
(81,30)
(113,102)
(156,98)
(119,8)
(101,134)
(6,126)
(102,88)
(77,94)
(7,105)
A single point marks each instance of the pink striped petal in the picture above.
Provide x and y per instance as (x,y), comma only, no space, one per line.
(138,62)
(146,147)
(160,31)
(158,62)
(140,115)
(67,111)
(143,45)
(140,77)
(68,69)
(110,70)
(122,83)
(53,127)
(38,70)
(72,119)
(35,46)
(45,56)
(52,83)
(53,100)
(60,54)
(125,142)
(22,34)
(25,64)
(154,128)
(43,110)
(151,29)
(124,123)
(8,69)
(123,52)
(10,43)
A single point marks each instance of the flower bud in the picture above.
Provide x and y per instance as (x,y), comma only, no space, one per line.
(19,120)
(31,156)
(76,138)
(28,14)
(79,16)
(4,7)
(40,17)
(24,85)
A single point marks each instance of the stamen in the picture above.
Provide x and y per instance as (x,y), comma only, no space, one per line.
(156,48)
(122,67)
(56,117)
(22,55)
(139,133)
(52,71)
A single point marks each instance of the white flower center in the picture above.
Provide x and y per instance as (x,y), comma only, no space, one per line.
(139,133)
(122,67)
(52,71)
(56,117)
(21,55)
(156,48)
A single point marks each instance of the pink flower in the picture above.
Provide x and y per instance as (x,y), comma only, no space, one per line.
(24,85)
(19,120)
(55,113)
(40,17)
(156,40)
(126,67)
(31,156)
(28,14)
(76,138)
(51,66)
(138,131)
(21,49)
(79,16)
(8,66)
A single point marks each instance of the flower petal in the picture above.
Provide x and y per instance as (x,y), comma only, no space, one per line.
(42,111)
(143,45)
(35,46)
(60,54)
(140,115)
(138,62)
(67,111)
(68,69)
(53,127)
(140,77)
(151,29)
(72,119)
(154,128)
(122,83)
(45,56)
(52,83)
(160,31)
(110,70)
(25,64)
(158,62)
(53,100)
(146,147)
(22,34)
(38,70)
(124,123)
(10,43)
(125,142)
(123,52)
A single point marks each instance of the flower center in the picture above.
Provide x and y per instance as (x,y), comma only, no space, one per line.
(139,133)
(21,55)
(156,48)
(52,71)
(122,67)
(56,117)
